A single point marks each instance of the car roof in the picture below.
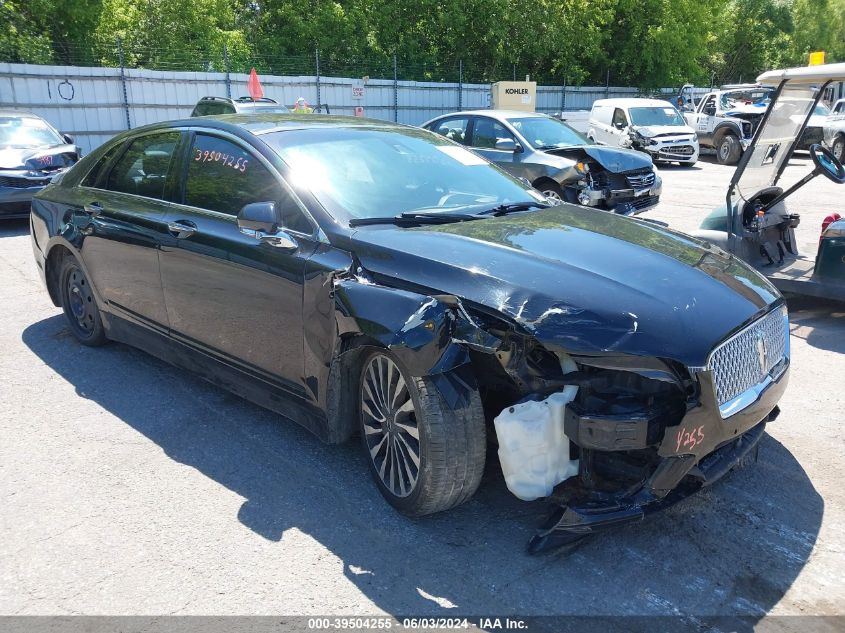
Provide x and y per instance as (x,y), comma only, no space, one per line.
(804,74)
(264,123)
(239,100)
(496,114)
(632,102)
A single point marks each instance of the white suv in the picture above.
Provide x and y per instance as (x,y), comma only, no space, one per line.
(649,125)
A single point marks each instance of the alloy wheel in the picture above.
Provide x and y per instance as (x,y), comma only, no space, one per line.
(553,196)
(389,419)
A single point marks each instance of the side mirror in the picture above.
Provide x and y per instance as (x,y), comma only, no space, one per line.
(506,144)
(260,221)
(258,216)
(710,110)
(619,125)
(67,138)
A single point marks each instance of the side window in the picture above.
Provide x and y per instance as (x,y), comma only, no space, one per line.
(223,177)
(455,129)
(602,114)
(487,132)
(98,170)
(619,119)
(142,170)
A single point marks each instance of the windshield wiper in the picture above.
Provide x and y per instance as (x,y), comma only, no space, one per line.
(415,217)
(512,207)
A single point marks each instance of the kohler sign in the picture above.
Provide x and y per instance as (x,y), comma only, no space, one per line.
(514,95)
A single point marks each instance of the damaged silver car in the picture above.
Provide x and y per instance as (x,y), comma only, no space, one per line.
(371,279)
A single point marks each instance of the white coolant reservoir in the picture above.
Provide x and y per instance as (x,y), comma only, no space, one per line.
(533,449)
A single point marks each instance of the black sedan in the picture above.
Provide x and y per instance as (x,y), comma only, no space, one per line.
(367,278)
(31,152)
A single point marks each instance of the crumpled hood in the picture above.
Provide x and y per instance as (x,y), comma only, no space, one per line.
(580,280)
(613,159)
(18,158)
(650,131)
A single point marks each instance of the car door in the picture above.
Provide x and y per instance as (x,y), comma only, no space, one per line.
(496,143)
(706,118)
(618,127)
(230,295)
(123,221)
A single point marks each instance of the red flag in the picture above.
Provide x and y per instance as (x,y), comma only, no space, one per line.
(254,85)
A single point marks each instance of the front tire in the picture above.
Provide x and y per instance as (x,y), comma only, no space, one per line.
(728,149)
(838,148)
(424,457)
(552,191)
(79,304)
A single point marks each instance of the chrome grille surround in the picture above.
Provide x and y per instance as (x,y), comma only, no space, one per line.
(640,181)
(749,361)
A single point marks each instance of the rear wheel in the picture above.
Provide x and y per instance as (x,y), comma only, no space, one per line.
(728,149)
(424,457)
(838,148)
(79,304)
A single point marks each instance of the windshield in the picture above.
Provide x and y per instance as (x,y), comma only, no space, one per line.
(747,97)
(772,144)
(358,172)
(24,132)
(656,115)
(542,131)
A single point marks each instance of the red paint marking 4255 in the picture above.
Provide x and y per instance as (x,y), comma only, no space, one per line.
(46,160)
(689,439)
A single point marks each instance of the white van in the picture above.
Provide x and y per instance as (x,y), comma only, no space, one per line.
(649,125)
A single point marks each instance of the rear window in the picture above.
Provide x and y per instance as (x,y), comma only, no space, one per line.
(210,108)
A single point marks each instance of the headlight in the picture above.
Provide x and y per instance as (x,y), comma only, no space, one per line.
(582,167)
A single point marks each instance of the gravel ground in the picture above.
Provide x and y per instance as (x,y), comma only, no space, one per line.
(129,487)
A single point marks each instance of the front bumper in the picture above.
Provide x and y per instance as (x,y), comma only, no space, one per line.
(626,201)
(17,189)
(693,454)
(681,150)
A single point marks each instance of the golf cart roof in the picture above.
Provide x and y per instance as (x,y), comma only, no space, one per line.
(804,74)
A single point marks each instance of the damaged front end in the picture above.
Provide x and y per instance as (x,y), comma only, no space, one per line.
(639,433)
(608,437)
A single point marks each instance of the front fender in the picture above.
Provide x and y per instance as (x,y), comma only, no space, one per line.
(429,334)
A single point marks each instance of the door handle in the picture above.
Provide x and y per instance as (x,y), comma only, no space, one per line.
(182,229)
(93,209)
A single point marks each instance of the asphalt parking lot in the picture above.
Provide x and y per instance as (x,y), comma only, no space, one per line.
(129,487)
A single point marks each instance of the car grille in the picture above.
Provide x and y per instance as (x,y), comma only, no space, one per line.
(641,180)
(748,358)
(678,150)
(21,183)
